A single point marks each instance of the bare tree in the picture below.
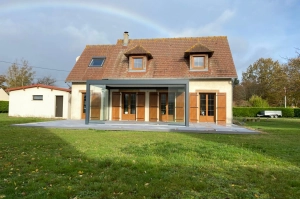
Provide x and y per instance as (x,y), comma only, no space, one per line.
(47,80)
(19,74)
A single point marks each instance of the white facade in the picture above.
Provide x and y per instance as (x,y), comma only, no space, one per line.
(3,95)
(215,86)
(76,106)
(28,103)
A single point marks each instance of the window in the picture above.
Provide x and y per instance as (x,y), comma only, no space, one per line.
(37,97)
(198,62)
(137,63)
(207,104)
(97,62)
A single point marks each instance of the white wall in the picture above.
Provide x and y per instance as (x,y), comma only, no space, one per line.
(21,103)
(221,86)
(3,95)
(77,89)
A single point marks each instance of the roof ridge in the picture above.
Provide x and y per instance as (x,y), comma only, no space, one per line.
(175,38)
(38,85)
(100,45)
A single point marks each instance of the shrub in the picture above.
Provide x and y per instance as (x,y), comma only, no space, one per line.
(3,106)
(257,101)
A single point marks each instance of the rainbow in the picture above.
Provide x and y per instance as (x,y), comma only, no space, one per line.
(15,6)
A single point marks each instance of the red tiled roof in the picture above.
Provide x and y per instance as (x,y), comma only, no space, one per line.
(38,85)
(168,59)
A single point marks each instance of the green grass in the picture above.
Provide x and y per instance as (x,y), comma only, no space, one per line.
(62,163)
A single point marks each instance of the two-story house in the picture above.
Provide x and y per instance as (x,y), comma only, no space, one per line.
(169,80)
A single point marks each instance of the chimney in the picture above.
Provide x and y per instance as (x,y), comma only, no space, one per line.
(126,38)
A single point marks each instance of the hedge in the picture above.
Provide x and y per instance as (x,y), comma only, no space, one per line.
(3,106)
(253,111)
(297,112)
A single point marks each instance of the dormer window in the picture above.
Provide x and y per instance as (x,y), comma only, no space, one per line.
(138,58)
(97,62)
(137,63)
(199,62)
(198,56)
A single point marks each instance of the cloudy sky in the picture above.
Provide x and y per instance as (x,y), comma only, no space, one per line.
(51,34)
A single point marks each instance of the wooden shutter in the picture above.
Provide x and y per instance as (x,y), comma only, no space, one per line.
(95,106)
(141,106)
(221,108)
(179,107)
(116,105)
(153,107)
(193,107)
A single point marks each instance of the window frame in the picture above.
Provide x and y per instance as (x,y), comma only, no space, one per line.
(197,68)
(37,97)
(131,63)
(102,57)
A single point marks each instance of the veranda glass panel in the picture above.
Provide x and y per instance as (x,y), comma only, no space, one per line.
(132,103)
(98,103)
(176,105)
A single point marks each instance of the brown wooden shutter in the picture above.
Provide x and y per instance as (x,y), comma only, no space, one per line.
(193,107)
(95,106)
(141,106)
(116,105)
(221,108)
(179,107)
(153,107)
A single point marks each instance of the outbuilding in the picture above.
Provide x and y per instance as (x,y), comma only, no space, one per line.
(3,95)
(39,100)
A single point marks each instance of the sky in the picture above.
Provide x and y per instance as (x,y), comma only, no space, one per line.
(51,34)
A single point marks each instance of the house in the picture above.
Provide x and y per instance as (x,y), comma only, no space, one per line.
(3,95)
(39,100)
(167,80)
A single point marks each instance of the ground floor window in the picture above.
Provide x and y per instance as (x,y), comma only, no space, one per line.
(207,107)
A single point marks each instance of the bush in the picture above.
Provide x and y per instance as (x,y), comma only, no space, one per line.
(253,111)
(3,106)
(257,101)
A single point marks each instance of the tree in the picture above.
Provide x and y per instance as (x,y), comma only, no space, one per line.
(292,69)
(47,80)
(19,74)
(265,78)
(2,81)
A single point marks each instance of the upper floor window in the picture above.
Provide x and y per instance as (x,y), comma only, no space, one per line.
(199,62)
(97,62)
(137,63)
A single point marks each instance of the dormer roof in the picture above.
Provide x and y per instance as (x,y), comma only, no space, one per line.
(138,50)
(198,48)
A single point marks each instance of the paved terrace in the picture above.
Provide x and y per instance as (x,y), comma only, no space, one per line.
(143,126)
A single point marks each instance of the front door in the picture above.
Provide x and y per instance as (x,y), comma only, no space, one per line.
(128,106)
(83,105)
(59,106)
(166,107)
(207,107)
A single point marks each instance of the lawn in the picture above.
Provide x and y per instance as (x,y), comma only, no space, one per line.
(62,163)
